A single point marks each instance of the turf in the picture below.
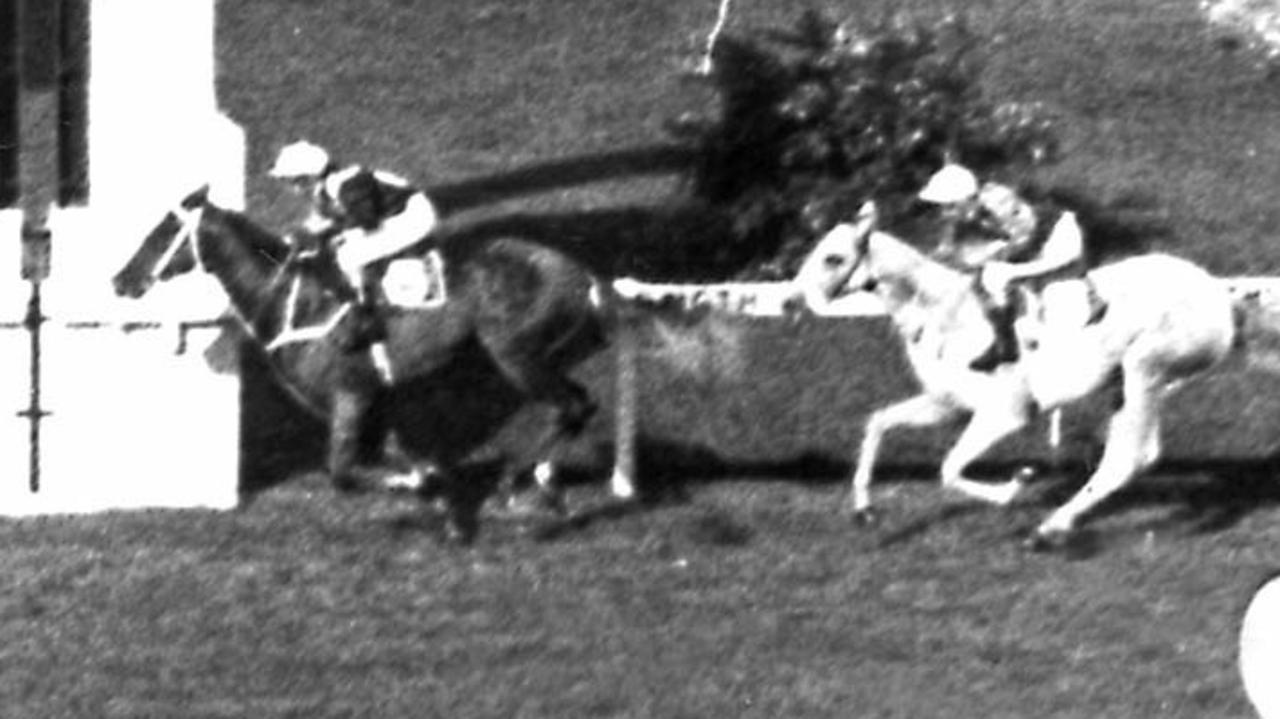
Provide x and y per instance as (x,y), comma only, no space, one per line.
(738,590)
(752,599)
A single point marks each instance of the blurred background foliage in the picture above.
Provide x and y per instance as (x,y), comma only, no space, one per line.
(813,119)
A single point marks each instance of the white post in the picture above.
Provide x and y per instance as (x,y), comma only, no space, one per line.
(132,424)
(722,16)
(627,410)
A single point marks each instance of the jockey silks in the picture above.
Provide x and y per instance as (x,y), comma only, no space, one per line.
(358,197)
(371,214)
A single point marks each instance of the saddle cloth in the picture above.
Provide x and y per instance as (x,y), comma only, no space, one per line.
(415,282)
(1068,304)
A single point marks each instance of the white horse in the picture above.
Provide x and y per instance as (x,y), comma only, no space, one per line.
(1167,321)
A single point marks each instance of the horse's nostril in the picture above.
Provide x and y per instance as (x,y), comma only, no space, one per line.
(131,290)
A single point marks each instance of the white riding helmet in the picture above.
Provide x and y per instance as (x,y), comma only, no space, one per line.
(953,183)
(300,159)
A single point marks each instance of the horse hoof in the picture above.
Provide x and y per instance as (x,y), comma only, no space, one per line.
(866,517)
(435,483)
(532,505)
(1025,475)
(1042,541)
(1039,543)
(411,482)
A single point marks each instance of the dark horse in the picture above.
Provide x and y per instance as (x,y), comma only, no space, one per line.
(533,311)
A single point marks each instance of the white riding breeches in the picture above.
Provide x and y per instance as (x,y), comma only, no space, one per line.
(355,248)
(1067,304)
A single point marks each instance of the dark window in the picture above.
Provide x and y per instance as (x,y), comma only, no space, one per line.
(73,103)
(10,113)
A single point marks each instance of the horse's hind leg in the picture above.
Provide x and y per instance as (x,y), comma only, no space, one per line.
(919,411)
(572,408)
(1133,444)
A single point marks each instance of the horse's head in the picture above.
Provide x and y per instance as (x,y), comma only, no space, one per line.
(169,249)
(837,264)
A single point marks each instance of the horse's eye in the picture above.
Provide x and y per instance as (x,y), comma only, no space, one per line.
(833,261)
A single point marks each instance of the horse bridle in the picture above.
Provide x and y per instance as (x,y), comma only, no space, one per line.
(189,220)
(860,248)
(188,231)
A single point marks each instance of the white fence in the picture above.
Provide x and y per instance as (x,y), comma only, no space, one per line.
(769,299)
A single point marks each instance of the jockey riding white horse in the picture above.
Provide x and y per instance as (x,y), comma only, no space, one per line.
(1167,321)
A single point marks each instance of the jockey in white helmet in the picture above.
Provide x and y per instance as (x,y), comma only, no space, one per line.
(364,216)
(1038,243)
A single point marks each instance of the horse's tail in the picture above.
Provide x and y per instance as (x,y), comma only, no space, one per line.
(1257,324)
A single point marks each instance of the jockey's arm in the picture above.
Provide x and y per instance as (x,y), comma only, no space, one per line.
(1064,245)
(361,246)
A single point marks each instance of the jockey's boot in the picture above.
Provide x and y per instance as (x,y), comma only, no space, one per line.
(1004,348)
(1097,305)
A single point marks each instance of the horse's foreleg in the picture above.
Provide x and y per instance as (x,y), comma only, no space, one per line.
(988,426)
(348,439)
(361,441)
(919,411)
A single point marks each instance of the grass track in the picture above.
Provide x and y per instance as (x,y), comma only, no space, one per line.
(750,599)
(741,594)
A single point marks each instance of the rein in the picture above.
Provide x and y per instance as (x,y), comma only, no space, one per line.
(189,223)
(189,231)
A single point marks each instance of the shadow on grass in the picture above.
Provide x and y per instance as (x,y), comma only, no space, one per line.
(1207,496)
(279,442)
(676,243)
(680,240)
(468,194)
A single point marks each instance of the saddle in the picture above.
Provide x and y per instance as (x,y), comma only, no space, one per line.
(1063,301)
(415,282)
(1031,308)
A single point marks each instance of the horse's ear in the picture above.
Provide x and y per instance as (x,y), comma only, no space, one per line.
(869,213)
(197,198)
(866,221)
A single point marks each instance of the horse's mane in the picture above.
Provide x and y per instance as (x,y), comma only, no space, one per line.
(260,239)
(915,273)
